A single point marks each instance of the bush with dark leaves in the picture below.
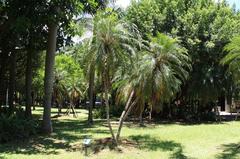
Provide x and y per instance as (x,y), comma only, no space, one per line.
(16,127)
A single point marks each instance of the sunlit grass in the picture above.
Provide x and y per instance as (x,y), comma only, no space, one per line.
(178,141)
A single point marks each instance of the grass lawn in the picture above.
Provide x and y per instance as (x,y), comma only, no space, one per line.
(155,141)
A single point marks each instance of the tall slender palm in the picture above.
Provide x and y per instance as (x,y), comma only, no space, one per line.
(89,71)
(111,46)
(155,76)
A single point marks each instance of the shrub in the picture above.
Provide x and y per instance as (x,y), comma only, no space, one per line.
(16,127)
(208,116)
(115,111)
(99,113)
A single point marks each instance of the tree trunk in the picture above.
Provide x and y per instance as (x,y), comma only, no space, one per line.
(217,112)
(150,113)
(107,108)
(48,79)
(102,100)
(28,84)
(91,92)
(141,119)
(33,100)
(124,115)
(12,81)
(3,61)
(169,111)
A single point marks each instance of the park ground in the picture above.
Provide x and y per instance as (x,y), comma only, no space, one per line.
(155,141)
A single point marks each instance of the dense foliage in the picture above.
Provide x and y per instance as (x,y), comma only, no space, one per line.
(16,127)
(204,28)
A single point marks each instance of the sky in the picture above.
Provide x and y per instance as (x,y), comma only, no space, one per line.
(125,3)
(237,2)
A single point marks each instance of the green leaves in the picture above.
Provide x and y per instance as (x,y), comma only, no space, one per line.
(203,28)
(68,72)
(112,43)
(157,73)
(232,59)
(233,49)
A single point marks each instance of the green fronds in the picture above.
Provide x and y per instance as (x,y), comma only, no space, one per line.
(233,49)
(157,72)
(232,59)
(113,43)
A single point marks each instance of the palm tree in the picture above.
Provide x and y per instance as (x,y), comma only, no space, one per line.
(156,75)
(89,72)
(111,45)
(233,56)
(91,92)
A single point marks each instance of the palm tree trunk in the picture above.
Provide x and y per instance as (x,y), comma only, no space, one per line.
(124,114)
(28,84)
(12,81)
(49,77)
(107,108)
(91,92)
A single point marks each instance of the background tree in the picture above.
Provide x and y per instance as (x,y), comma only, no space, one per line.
(204,28)
(61,12)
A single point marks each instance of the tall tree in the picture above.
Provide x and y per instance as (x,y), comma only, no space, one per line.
(91,92)
(28,83)
(111,45)
(204,27)
(12,81)
(48,78)
(62,13)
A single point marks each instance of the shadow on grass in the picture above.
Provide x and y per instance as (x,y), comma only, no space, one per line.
(153,124)
(151,144)
(67,136)
(230,151)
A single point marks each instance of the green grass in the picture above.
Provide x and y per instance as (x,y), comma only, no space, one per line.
(160,141)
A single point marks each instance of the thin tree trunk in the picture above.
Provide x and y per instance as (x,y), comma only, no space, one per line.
(102,100)
(107,109)
(218,117)
(169,111)
(237,114)
(3,59)
(12,81)
(49,77)
(150,113)
(33,100)
(124,115)
(141,119)
(28,84)
(91,92)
